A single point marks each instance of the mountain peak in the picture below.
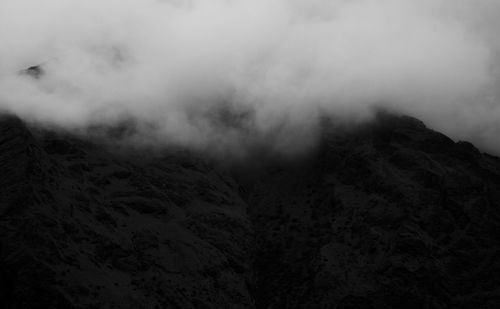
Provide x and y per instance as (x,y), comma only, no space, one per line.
(390,214)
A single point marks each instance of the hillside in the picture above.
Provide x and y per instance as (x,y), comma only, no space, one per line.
(390,214)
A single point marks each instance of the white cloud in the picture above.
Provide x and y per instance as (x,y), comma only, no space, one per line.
(179,65)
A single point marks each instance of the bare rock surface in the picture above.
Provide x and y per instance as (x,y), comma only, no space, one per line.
(392,215)
(388,215)
(86,227)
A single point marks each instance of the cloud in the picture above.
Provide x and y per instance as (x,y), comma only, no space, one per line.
(222,74)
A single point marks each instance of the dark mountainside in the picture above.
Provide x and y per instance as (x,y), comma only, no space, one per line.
(391,215)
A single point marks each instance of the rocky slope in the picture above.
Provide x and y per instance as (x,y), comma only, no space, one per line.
(389,215)
(87,227)
(394,216)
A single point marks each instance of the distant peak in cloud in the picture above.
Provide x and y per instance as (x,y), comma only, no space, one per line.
(221,74)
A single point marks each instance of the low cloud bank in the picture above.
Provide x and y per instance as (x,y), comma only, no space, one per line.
(220,74)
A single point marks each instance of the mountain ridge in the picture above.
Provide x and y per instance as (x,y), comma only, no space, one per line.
(390,214)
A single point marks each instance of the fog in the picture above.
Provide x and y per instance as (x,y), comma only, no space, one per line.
(223,74)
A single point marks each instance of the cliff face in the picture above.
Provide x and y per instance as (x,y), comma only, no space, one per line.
(390,215)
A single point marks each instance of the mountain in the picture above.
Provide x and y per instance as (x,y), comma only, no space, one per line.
(389,214)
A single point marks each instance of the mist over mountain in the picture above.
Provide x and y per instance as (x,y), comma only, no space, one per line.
(249,154)
(169,66)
